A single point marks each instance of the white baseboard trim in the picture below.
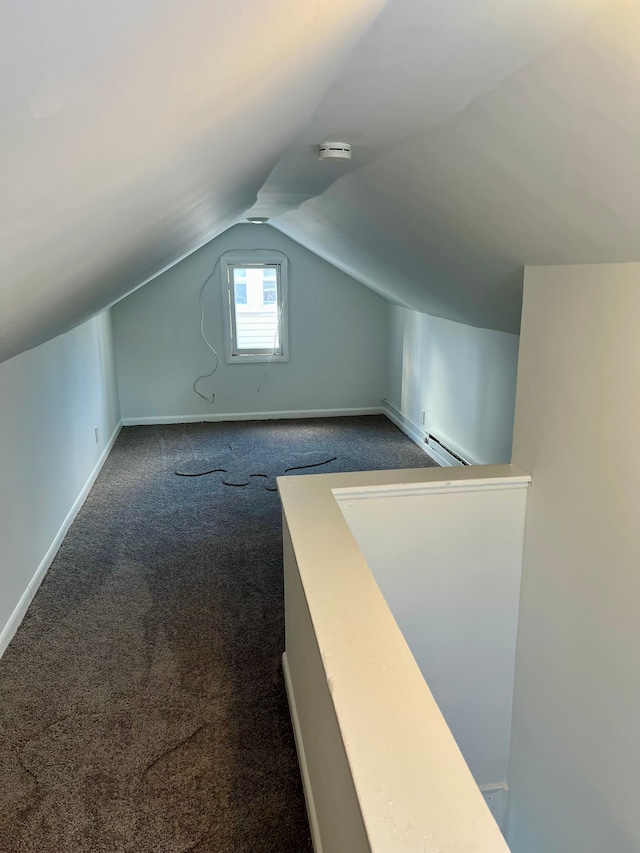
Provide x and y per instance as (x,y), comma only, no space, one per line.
(302,760)
(415,433)
(7,633)
(252,416)
(496,797)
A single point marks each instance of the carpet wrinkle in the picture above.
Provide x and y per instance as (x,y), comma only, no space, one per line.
(142,704)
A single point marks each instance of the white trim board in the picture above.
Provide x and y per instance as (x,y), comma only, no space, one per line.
(13,623)
(491,484)
(302,759)
(415,433)
(252,416)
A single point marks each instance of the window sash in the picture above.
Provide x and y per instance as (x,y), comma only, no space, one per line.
(238,352)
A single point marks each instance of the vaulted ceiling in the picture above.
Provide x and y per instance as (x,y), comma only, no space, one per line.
(487,134)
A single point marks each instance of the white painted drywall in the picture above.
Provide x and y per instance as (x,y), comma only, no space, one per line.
(448,564)
(462,377)
(53,397)
(337,339)
(575,757)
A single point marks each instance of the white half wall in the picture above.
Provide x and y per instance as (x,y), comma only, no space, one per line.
(337,339)
(381,770)
(448,562)
(463,378)
(53,399)
(575,755)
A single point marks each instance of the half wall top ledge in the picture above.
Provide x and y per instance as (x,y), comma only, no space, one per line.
(487,134)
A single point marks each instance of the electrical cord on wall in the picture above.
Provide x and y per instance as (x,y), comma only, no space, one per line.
(211,399)
(275,337)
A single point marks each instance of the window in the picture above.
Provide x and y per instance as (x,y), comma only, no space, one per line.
(269,287)
(240,287)
(254,288)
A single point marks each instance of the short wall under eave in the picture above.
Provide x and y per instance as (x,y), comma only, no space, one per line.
(462,378)
(53,399)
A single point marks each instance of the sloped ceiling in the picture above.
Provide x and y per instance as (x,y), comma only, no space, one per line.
(487,134)
(133,131)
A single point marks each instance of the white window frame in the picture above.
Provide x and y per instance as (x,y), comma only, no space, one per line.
(252,259)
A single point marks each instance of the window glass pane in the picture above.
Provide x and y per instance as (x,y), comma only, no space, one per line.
(257,315)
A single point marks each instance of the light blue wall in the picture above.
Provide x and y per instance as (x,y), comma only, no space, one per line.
(463,378)
(53,397)
(337,340)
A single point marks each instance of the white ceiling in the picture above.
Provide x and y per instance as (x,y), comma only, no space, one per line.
(487,134)
(501,138)
(133,131)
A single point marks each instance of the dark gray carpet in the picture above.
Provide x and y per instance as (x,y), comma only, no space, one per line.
(142,703)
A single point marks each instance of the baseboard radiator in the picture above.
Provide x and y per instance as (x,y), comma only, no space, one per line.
(440,447)
(435,446)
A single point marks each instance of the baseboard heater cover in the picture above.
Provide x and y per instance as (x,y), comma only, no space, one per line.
(434,442)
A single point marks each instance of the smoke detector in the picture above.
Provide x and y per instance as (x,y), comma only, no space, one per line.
(334,151)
